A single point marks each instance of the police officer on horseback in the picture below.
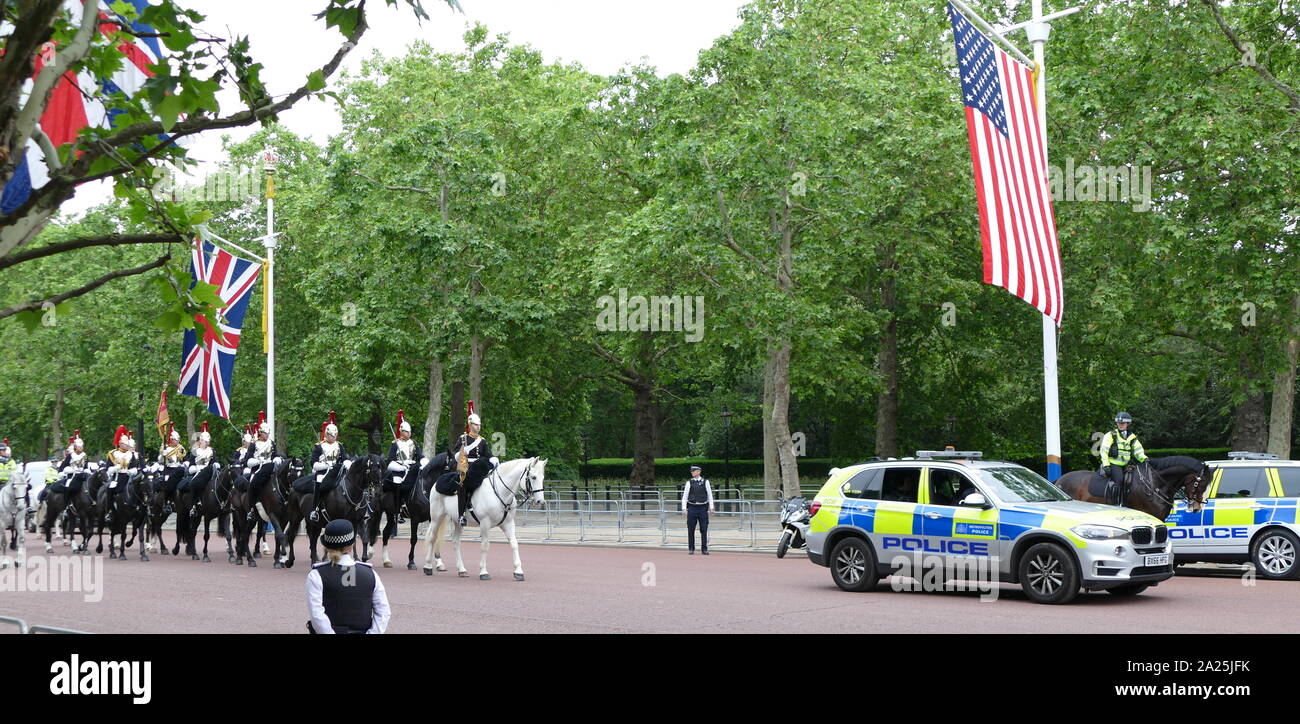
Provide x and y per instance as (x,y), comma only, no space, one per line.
(404,463)
(259,461)
(327,459)
(8,466)
(123,462)
(1119,448)
(469,447)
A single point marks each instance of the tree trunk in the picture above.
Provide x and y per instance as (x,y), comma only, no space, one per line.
(56,425)
(771,461)
(643,457)
(1282,416)
(781,420)
(476,348)
(457,413)
(430,442)
(189,424)
(887,365)
(1250,428)
(282,435)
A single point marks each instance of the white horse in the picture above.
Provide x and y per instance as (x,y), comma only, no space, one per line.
(13,512)
(493,507)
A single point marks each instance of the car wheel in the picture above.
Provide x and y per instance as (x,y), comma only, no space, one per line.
(784,545)
(1131,589)
(1048,574)
(1275,555)
(853,566)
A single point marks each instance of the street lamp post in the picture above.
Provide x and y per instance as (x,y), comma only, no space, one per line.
(726,445)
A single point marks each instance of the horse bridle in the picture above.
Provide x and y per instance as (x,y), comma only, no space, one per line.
(1195,490)
(528,491)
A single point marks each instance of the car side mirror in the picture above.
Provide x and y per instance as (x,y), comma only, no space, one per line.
(976,500)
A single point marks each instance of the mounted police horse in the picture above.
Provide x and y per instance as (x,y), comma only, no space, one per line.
(493,506)
(13,514)
(1151,486)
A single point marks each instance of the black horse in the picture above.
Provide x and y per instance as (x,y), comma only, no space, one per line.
(58,505)
(271,501)
(417,505)
(351,499)
(127,507)
(205,496)
(1152,485)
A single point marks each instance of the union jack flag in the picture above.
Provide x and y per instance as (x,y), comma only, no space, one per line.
(207,366)
(82,99)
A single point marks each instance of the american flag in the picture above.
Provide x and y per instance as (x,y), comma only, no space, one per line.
(81,99)
(1017,224)
(207,365)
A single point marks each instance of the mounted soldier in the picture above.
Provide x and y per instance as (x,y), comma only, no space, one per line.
(404,462)
(1119,448)
(172,457)
(259,460)
(199,458)
(70,469)
(240,456)
(123,461)
(328,457)
(469,447)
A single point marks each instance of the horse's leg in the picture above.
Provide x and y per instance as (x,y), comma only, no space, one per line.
(280,556)
(483,534)
(508,525)
(390,529)
(456,531)
(410,557)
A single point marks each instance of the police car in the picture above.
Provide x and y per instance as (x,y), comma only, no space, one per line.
(868,519)
(1249,516)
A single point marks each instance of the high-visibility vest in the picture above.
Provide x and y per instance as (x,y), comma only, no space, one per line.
(1118,450)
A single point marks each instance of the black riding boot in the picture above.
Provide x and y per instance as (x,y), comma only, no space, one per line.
(315,501)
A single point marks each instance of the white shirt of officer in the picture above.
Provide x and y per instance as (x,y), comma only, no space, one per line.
(380,612)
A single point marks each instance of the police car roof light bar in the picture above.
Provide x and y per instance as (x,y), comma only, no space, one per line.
(950,453)
(1245,455)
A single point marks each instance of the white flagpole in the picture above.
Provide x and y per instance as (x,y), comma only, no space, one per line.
(1037,30)
(269,160)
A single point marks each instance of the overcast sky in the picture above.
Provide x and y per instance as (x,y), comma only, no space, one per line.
(602,35)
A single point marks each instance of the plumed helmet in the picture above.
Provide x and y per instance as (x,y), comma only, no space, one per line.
(329,427)
(4,445)
(204,435)
(248,434)
(120,435)
(402,424)
(75,440)
(263,428)
(172,433)
(474,419)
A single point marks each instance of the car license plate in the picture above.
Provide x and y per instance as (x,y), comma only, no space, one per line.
(1159,560)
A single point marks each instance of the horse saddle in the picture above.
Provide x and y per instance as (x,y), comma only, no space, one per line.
(1098,484)
(241,483)
(448,483)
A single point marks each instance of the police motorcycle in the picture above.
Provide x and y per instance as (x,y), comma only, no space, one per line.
(795,518)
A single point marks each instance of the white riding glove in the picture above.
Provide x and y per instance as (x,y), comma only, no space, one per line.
(320,466)
(424,461)
(193,469)
(396,467)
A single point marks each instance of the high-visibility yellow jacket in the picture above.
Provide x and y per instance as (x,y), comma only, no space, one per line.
(1118,448)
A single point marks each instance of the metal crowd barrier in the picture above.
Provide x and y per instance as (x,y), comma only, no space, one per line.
(26,628)
(644,518)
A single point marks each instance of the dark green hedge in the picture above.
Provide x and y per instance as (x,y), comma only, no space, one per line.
(680,468)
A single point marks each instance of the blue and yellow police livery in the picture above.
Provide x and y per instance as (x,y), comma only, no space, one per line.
(870,519)
(1249,516)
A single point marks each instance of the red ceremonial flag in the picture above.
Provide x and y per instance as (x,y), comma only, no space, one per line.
(1007,147)
(163,420)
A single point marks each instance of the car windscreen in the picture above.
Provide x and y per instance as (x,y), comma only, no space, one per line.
(1019,485)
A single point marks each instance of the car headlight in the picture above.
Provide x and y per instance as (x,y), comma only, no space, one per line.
(1099,532)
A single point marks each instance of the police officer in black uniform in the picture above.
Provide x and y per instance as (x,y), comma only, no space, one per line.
(343,595)
(697,503)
